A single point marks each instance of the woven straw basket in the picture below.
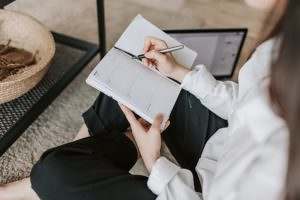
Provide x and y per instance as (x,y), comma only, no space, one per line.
(27,33)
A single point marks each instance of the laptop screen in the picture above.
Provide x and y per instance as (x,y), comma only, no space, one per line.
(218,49)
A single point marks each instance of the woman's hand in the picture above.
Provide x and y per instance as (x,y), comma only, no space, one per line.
(147,138)
(165,63)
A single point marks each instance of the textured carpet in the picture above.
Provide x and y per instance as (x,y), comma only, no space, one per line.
(61,121)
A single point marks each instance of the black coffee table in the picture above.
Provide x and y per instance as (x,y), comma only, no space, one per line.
(71,56)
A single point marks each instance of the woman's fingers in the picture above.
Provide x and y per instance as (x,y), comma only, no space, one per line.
(140,125)
(128,113)
(167,125)
(156,125)
(134,123)
(146,62)
(144,123)
(151,47)
(155,55)
(156,43)
(147,45)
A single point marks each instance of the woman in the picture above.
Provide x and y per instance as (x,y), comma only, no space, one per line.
(246,160)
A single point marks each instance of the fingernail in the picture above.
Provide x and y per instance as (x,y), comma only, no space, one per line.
(167,124)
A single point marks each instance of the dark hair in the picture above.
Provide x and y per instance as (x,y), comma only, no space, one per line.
(285,91)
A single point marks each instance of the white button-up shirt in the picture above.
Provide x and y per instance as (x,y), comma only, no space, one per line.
(246,160)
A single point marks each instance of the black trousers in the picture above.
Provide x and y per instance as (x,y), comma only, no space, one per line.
(97,167)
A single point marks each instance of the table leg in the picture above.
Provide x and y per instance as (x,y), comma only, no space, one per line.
(101,27)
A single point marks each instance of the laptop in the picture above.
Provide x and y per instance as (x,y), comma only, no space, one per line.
(218,49)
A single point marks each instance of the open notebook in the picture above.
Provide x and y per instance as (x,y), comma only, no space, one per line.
(143,90)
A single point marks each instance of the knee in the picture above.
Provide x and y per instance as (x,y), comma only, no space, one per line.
(51,174)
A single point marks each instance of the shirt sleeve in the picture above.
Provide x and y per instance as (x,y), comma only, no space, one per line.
(170,182)
(218,96)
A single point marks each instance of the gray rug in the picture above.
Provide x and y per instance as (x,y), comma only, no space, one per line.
(57,125)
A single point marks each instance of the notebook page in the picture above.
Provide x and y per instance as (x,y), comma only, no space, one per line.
(132,40)
(96,83)
(137,86)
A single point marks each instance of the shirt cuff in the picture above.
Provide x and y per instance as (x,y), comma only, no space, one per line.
(161,174)
(199,82)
